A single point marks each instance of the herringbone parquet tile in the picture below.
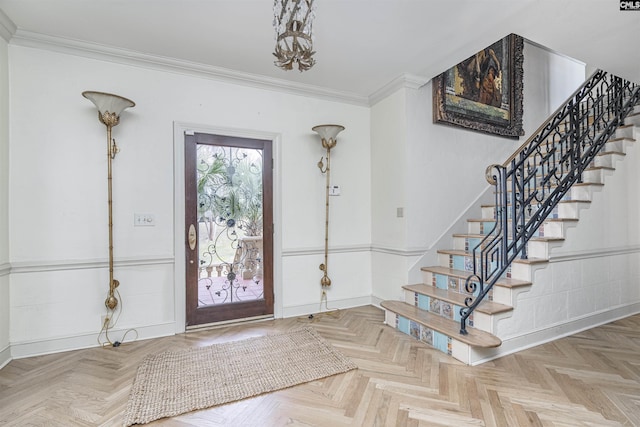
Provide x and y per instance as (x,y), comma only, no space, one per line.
(590,379)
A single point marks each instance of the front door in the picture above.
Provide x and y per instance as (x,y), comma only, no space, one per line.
(228,229)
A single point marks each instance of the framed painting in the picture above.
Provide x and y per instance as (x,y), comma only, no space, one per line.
(484,92)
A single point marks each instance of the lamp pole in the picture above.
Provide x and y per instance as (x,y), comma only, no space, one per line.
(328,135)
(109,108)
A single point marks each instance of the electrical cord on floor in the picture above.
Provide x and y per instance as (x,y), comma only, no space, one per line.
(109,323)
(332,312)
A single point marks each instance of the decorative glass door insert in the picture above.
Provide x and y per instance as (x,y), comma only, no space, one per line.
(229,220)
(230,224)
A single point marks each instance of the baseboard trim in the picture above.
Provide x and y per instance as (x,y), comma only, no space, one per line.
(375,301)
(307,309)
(5,356)
(554,332)
(24,349)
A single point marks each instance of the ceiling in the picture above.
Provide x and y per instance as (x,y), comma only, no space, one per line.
(361,45)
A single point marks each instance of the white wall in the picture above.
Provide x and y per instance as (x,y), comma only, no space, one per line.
(388,194)
(58,203)
(4,203)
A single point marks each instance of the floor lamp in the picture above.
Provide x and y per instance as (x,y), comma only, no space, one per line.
(109,109)
(328,135)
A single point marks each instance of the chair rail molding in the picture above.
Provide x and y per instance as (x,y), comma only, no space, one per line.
(5,269)
(60,265)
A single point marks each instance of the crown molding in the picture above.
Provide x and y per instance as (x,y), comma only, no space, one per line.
(160,63)
(7,27)
(405,81)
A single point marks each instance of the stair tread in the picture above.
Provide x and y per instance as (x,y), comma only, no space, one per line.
(530,261)
(467,253)
(505,282)
(488,307)
(592,168)
(546,220)
(561,201)
(623,138)
(474,337)
(577,184)
(604,153)
(584,184)
(535,239)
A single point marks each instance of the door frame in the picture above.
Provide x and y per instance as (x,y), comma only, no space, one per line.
(179,129)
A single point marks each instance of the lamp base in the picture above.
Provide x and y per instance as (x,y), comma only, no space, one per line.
(111,302)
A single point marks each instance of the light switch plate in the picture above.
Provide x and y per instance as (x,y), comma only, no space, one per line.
(144,220)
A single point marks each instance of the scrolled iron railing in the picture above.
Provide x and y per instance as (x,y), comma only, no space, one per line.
(540,173)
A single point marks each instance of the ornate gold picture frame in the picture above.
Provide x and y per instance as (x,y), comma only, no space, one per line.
(484,92)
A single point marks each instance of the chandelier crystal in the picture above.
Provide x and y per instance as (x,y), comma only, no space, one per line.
(293,21)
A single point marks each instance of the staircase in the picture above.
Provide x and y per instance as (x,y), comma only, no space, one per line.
(544,186)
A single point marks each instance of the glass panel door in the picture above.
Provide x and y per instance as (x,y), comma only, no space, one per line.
(227,206)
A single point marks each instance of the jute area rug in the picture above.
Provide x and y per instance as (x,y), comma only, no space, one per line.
(175,382)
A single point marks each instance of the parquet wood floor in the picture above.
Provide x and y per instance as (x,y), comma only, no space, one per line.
(589,379)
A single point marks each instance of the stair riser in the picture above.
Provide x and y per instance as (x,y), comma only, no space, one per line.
(435,339)
(465,243)
(541,249)
(566,210)
(480,227)
(577,192)
(443,281)
(608,160)
(477,320)
(499,294)
(438,307)
(521,271)
(626,131)
(457,262)
(538,249)
(504,295)
(634,119)
(593,175)
(617,146)
(535,249)
(547,229)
